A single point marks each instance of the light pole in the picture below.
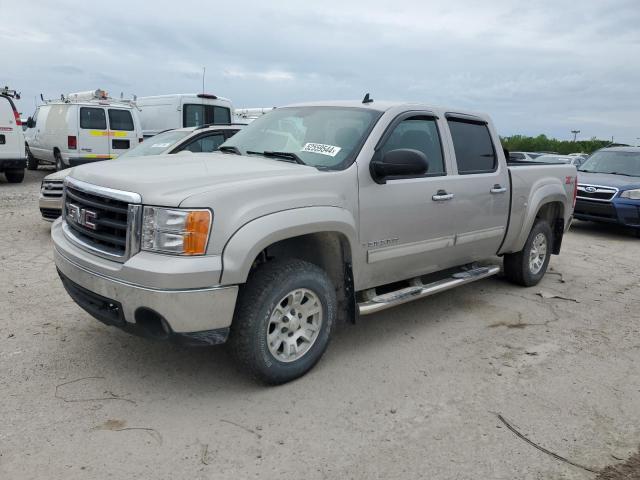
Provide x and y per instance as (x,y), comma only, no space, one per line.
(575,134)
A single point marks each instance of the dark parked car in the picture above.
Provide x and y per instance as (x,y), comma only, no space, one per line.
(609,187)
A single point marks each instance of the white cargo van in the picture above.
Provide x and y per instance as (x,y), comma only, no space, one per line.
(12,153)
(81,128)
(168,112)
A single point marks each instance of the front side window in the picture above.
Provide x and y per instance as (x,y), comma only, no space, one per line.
(93,118)
(208,143)
(120,120)
(419,133)
(473,147)
(196,115)
(323,137)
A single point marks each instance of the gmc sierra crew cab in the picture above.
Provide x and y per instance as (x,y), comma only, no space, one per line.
(313,213)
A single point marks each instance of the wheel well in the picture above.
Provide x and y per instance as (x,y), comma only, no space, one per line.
(330,251)
(553,214)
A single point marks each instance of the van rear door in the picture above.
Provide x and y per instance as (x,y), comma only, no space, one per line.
(9,137)
(196,115)
(121,131)
(93,141)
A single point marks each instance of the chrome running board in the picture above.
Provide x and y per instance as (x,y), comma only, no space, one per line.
(408,294)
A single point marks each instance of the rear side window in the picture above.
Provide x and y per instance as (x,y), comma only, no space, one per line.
(120,120)
(196,115)
(473,146)
(93,118)
(209,143)
(418,133)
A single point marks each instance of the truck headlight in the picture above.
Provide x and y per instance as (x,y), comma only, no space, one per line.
(631,194)
(175,231)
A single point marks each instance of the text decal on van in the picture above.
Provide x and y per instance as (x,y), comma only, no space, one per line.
(321,148)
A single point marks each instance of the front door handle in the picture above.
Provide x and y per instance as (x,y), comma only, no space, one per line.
(497,188)
(441,196)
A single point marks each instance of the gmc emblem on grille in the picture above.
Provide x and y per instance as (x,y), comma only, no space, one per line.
(82,216)
(590,189)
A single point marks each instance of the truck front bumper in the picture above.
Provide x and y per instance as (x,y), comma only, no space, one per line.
(194,316)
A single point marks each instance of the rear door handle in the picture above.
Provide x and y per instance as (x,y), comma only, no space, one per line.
(442,196)
(497,188)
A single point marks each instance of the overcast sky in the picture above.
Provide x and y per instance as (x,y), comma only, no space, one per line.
(535,66)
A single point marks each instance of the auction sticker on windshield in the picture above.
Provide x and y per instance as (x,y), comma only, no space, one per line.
(321,148)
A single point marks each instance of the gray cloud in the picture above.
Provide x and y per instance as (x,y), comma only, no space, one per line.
(537,67)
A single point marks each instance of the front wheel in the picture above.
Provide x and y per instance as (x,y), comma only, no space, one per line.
(283,320)
(528,266)
(59,162)
(32,162)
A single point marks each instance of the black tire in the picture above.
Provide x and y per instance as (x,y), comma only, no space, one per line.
(14,176)
(258,299)
(59,162)
(32,162)
(517,266)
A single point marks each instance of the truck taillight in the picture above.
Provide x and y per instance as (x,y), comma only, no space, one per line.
(72,142)
(17,117)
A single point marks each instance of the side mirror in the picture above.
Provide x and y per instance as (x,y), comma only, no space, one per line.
(399,163)
(30,123)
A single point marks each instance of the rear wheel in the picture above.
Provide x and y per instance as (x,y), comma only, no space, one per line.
(528,266)
(32,162)
(59,162)
(283,320)
(14,176)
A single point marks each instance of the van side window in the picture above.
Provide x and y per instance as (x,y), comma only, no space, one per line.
(93,118)
(473,146)
(419,133)
(120,120)
(195,115)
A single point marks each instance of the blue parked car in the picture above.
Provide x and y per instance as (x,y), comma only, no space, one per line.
(609,187)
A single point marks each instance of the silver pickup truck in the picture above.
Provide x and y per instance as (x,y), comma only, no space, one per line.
(313,213)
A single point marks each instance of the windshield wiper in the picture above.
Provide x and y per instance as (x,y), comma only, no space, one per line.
(289,156)
(229,149)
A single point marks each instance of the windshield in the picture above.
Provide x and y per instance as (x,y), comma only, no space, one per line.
(323,137)
(619,162)
(157,144)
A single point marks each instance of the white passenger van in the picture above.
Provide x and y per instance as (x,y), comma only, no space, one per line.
(81,128)
(168,112)
(12,154)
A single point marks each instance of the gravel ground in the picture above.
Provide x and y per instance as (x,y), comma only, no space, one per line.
(414,392)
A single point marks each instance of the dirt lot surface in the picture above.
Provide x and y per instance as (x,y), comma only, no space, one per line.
(414,392)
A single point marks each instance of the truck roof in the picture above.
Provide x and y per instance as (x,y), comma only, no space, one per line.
(383,106)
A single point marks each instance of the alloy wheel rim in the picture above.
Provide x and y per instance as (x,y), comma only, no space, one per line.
(294,325)
(538,253)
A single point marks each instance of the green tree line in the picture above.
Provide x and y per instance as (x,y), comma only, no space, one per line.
(542,143)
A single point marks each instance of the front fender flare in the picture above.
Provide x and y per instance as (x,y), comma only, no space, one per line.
(248,241)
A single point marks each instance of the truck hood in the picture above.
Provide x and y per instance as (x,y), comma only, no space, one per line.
(168,180)
(621,182)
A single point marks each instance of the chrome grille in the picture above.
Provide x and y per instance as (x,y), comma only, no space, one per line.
(52,188)
(596,192)
(101,220)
